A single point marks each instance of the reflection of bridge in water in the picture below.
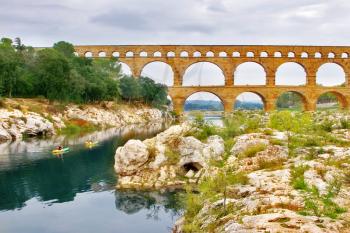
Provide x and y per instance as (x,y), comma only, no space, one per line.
(228,58)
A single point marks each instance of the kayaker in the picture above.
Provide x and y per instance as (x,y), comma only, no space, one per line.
(59,147)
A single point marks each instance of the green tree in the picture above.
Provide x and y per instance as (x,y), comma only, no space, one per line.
(65,48)
(130,88)
(54,73)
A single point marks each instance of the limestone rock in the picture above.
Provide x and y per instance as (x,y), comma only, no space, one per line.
(130,157)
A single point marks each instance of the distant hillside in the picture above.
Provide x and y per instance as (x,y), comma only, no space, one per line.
(213,105)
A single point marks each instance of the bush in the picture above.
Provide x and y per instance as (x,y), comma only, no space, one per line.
(252,150)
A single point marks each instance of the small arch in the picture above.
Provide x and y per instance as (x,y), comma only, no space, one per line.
(157,54)
(331,100)
(210,54)
(344,55)
(115,54)
(88,54)
(291,73)
(76,54)
(318,55)
(160,72)
(184,54)
(170,54)
(277,54)
(250,73)
(331,55)
(197,54)
(143,54)
(291,100)
(264,54)
(330,74)
(203,101)
(291,54)
(222,54)
(236,54)
(203,74)
(129,54)
(250,54)
(249,101)
(304,55)
(102,54)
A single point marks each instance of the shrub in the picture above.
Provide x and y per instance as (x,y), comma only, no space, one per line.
(298,181)
(252,150)
(172,156)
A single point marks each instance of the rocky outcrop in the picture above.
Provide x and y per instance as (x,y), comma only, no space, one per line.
(18,122)
(14,124)
(281,194)
(167,160)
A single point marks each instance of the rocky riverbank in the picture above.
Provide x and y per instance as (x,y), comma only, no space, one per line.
(251,175)
(27,117)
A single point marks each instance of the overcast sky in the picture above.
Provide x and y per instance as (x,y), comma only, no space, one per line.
(293,22)
(43,22)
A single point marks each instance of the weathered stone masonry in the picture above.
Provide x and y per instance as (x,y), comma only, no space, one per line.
(228,57)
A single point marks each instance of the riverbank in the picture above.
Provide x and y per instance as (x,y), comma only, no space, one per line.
(279,172)
(38,117)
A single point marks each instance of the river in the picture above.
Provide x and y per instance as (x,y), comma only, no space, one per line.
(41,192)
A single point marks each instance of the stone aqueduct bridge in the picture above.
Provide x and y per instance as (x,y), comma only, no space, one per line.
(228,57)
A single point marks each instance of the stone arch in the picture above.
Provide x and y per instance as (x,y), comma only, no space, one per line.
(88,54)
(247,71)
(170,54)
(236,54)
(264,54)
(197,54)
(341,99)
(291,73)
(330,74)
(125,68)
(184,54)
(250,54)
(304,55)
(129,54)
(209,72)
(102,54)
(203,100)
(210,54)
(291,54)
(277,54)
(115,54)
(344,55)
(222,54)
(143,54)
(290,101)
(159,71)
(318,55)
(331,55)
(249,100)
(157,54)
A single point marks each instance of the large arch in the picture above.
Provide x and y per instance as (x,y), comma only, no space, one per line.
(291,74)
(203,101)
(250,73)
(160,72)
(203,74)
(249,101)
(330,74)
(292,100)
(331,100)
(125,69)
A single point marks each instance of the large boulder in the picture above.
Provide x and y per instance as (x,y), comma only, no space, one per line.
(130,157)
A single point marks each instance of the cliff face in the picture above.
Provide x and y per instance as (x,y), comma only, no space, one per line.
(36,118)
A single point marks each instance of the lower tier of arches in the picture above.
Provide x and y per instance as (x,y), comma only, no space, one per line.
(309,97)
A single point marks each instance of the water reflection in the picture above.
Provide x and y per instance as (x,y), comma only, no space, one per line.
(31,177)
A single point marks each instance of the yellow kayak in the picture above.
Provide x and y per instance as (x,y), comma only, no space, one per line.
(91,144)
(63,150)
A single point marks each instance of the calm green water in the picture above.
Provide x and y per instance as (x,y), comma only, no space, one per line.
(40,192)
